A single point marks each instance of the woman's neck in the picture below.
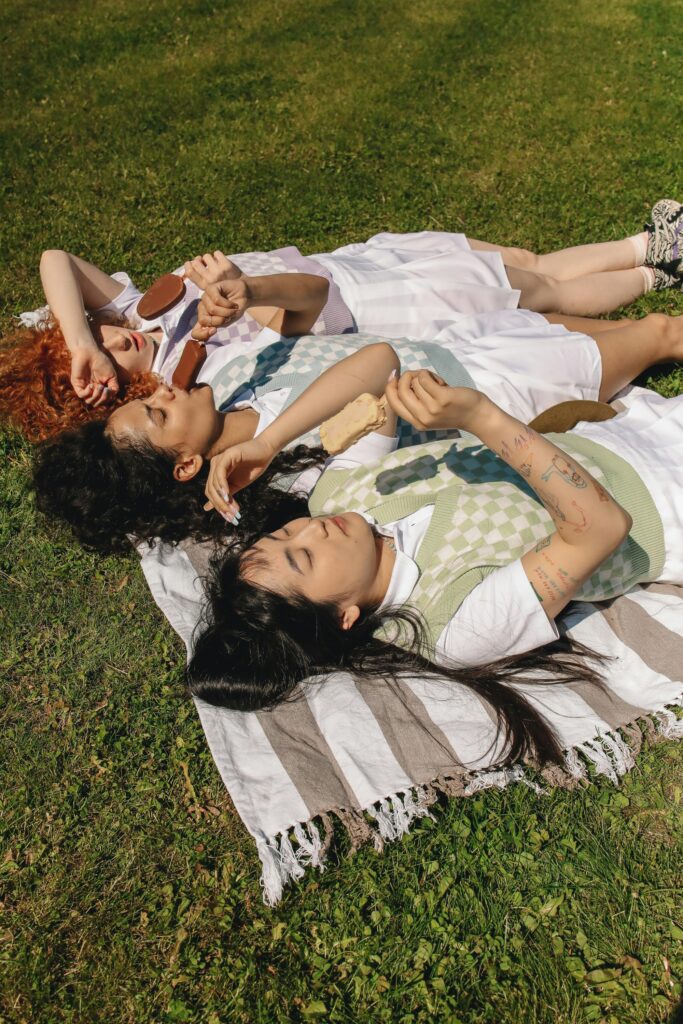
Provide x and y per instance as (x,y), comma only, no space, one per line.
(235,427)
(386,560)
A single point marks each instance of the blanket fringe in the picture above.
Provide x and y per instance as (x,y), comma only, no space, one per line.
(610,754)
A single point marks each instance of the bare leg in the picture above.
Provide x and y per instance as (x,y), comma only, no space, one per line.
(566,264)
(635,345)
(584,324)
(585,296)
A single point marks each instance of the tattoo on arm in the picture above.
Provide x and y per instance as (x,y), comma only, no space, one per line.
(543,544)
(600,491)
(563,468)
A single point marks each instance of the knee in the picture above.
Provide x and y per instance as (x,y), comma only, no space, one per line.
(523,258)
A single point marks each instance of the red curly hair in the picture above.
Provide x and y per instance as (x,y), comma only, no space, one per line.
(35,387)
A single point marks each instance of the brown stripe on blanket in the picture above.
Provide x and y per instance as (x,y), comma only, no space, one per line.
(416,741)
(660,648)
(668,589)
(199,553)
(607,704)
(306,757)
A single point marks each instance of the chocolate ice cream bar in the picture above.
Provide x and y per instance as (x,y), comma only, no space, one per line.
(161,296)
(360,417)
(189,365)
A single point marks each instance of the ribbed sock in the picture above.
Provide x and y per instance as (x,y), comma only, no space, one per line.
(648,277)
(639,243)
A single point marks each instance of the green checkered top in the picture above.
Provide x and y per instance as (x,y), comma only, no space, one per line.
(297,362)
(486,516)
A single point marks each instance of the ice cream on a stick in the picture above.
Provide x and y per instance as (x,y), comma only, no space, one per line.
(360,417)
(189,364)
(161,296)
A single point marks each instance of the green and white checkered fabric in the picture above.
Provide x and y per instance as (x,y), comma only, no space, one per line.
(297,362)
(485,517)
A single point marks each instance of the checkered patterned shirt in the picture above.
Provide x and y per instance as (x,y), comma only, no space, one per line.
(485,516)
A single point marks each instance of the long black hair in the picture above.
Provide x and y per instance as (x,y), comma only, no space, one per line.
(255,646)
(109,491)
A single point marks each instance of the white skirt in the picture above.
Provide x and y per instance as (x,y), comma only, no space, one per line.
(398,285)
(649,435)
(522,362)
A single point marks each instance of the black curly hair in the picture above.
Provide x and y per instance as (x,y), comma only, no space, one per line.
(111,493)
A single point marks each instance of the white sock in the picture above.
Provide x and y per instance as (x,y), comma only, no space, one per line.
(648,277)
(639,243)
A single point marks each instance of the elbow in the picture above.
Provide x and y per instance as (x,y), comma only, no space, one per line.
(387,353)
(620,528)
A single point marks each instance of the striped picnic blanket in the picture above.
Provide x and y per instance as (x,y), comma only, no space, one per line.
(376,756)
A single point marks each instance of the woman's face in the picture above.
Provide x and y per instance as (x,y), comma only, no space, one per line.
(132,351)
(183,421)
(327,558)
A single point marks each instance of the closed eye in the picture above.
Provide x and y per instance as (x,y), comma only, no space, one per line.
(157,416)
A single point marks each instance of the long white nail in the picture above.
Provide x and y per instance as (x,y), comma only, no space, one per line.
(394,373)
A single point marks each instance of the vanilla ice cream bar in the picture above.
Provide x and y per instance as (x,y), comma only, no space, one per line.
(360,417)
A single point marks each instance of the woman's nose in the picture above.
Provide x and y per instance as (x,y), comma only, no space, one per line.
(316,527)
(164,393)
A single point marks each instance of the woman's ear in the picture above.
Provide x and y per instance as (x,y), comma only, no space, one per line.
(187,467)
(349,616)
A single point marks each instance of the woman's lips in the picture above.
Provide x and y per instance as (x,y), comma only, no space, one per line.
(339,523)
(138,340)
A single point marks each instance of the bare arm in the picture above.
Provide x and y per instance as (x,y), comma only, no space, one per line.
(72,286)
(589,523)
(288,303)
(365,370)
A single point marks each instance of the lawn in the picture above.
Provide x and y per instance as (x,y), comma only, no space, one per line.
(138,135)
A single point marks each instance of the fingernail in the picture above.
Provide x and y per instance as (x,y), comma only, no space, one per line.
(238,516)
(391,376)
(225,496)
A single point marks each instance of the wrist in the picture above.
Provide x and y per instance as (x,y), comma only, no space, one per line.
(271,440)
(251,290)
(480,414)
(83,341)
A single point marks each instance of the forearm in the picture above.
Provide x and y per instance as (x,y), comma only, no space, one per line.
(295,292)
(71,286)
(582,510)
(365,371)
(589,523)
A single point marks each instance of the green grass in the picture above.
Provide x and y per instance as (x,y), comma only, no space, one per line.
(138,135)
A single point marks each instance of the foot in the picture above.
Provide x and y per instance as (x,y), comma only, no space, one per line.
(665,241)
(666,279)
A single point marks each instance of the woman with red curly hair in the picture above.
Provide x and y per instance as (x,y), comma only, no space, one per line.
(393,285)
(36,392)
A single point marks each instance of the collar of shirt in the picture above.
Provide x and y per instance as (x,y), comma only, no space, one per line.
(407,535)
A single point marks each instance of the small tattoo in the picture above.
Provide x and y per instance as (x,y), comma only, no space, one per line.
(542,544)
(563,468)
(601,492)
(525,469)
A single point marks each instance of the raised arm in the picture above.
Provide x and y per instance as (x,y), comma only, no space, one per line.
(589,523)
(288,303)
(72,286)
(365,370)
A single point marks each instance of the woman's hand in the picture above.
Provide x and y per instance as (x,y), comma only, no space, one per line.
(93,375)
(210,269)
(425,400)
(234,469)
(220,305)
